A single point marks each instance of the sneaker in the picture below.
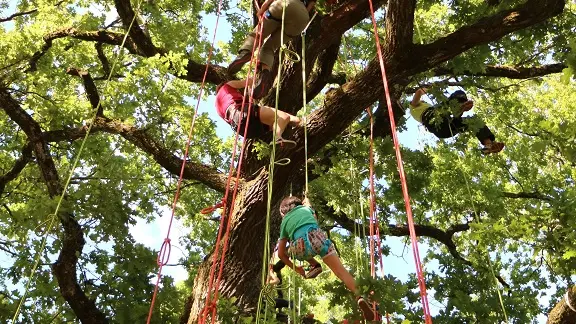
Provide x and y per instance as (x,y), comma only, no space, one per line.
(495,147)
(236,65)
(314,272)
(367,311)
(282,318)
(263,83)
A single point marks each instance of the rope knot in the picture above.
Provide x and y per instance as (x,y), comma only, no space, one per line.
(211,209)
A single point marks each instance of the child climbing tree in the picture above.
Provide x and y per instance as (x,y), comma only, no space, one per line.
(76,75)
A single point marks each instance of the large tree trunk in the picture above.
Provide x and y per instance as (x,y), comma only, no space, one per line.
(241,277)
(561,313)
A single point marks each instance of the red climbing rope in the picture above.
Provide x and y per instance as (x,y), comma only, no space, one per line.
(164,253)
(374,228)
(372,199)
(414,240)
(210,304)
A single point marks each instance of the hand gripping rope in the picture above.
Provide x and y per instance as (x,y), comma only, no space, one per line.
(413,238)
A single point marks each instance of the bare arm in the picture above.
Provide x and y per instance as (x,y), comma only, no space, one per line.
(417,96)
(284,257)
(239,84)
(282,253)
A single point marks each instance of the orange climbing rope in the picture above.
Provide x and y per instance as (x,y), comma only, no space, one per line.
(166,248)
(413,238)
(211,301)
(374,229)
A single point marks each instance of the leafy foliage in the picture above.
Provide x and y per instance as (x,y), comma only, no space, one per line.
(520,204)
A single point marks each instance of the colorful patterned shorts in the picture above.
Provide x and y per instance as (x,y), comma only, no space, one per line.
(309,242)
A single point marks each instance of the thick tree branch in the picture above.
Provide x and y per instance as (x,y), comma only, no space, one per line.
(195,71)
(322,72)
(101,36)
(444,237)
(140,38)
(399,25)
(562,313)
(90,88)
(511,72)
(103,59)
(193,170)
(19,165)
(485,30)
(73,240)
(532,195)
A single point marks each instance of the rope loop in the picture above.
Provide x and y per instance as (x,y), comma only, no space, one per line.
(283,161)
(164,254)
(567,300)
(290,54)
(211,209)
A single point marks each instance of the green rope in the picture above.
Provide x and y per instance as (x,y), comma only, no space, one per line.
(304,101)
(266,254)
(418,31)
(69,178)
(477,219)
(360,247)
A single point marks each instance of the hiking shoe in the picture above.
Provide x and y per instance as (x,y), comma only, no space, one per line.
(495,147)
(236,65)
(314,272)
(263,83)
(282,318)
(367,311)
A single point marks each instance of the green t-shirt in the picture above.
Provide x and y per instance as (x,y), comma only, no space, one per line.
(418,110)
(296,218)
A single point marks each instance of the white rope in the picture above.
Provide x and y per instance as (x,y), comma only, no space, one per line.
(567,299)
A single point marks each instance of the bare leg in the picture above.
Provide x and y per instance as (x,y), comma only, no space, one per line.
(294,121)
(312,262)
(267,118)
(487,142)
(333,262)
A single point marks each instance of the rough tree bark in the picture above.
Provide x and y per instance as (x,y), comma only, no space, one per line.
(72,240)
(241,276)
(561,313)
(403,59)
